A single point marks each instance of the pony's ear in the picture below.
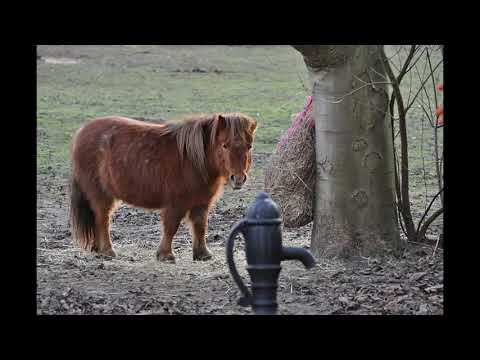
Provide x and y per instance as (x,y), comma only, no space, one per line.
(253,126)
(221,122)
(218,125)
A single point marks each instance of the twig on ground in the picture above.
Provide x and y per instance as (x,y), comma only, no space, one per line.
(436,246)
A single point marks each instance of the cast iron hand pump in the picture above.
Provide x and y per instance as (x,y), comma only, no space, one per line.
(261,229)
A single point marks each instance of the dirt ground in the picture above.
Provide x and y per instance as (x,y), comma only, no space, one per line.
(70,281)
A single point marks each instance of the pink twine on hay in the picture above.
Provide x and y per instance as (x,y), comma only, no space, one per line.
(301,116)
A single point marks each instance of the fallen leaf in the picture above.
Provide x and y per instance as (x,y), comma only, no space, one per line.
(417,276)
(434,288)
(423,310)
(343,300)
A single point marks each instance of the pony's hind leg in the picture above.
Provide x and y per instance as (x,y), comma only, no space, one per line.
(104,242)
(171,221)
(198,219)
(102,208)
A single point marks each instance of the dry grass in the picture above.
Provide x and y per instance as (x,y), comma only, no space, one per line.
(290,174)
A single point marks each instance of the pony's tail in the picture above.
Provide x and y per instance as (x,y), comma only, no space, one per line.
(82,218)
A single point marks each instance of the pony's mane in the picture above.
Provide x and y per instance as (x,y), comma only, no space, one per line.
(195,133)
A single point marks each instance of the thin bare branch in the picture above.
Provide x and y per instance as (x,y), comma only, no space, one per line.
(400,76)
(397,68)
(405,64)
(406,212)
(379,74)
(428,115)
(433,79)
(421,87)
(423,230)
(437,164)
(441,166)
(407,71)
(430,110)
(414,63)
(428,209)
(435,130)
(395,165)
(409,87)
(423,164)
(400,48)
(400,220)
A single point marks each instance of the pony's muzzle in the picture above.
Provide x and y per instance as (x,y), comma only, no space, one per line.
(236,182)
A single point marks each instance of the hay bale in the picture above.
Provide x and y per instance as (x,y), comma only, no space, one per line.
(290,173)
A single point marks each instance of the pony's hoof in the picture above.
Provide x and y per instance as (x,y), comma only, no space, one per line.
(109,253)
(202,255)
(168,258)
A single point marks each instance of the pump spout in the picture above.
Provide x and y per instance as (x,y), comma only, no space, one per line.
(293,253)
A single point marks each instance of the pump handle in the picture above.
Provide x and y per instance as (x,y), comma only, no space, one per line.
(246,299)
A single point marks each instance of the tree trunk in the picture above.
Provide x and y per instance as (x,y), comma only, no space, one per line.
(354,195)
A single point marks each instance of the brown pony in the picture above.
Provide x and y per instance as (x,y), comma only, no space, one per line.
(178,167)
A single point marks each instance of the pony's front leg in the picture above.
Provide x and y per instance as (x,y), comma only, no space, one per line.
(171,221)
(198,219)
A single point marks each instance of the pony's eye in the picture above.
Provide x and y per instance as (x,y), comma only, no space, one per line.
(249,146)
(225,146)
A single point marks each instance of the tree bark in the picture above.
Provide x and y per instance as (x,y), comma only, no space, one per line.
(354,195)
